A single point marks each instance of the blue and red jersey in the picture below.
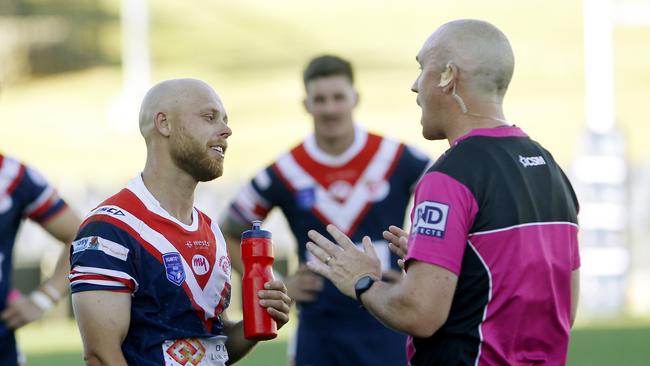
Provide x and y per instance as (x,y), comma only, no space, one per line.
(497,211)
(178,276)
(24,193)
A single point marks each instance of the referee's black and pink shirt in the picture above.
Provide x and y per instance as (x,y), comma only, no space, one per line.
(498,211)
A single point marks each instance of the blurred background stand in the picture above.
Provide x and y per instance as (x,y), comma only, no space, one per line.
(611,282)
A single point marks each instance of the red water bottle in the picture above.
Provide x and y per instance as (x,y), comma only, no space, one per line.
(257,256)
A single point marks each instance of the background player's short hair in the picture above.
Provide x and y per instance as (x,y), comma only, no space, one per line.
(327,65)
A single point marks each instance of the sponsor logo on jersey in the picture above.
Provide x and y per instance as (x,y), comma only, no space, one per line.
(198,244)
(527,161)
(430,219)
(306,198)
(110,210)
(195,351)
(174,268)
(106,246)
(225,264)
(188,351)
(200,264)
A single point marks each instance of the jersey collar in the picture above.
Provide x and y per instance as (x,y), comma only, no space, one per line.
(501,131)
(312,149)
(136,185)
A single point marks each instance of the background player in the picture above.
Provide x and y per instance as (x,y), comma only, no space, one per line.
(24,193)
(360,181)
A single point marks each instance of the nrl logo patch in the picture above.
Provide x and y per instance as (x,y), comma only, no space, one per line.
(305,198)
(174,268)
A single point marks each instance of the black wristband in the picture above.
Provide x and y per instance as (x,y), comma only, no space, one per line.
(363,284)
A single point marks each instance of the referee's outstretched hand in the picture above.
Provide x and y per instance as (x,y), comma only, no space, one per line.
(397,242)
(343,264)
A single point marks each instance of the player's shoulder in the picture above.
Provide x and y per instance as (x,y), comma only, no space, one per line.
(14,171)
(12,174)
(113,219)
(124,200)
(411,150)
(464,162)
(265,175)
(470,152)
(300,145)
(9,164)
(117,211)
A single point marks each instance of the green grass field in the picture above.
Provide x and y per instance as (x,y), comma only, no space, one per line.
(58,344)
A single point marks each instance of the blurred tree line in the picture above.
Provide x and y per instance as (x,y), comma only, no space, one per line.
(45,37)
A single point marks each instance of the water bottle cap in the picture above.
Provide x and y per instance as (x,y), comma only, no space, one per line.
(256,231)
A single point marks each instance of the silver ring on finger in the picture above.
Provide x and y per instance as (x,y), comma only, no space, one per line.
(327,261)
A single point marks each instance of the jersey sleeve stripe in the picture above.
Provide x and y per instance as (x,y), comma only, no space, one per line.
(52,210)
(83,274)
(103,283)
(101,271)
(41,201)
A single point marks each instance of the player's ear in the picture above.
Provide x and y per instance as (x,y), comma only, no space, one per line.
(162,124)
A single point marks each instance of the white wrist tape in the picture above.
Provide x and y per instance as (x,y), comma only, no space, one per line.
(41,300)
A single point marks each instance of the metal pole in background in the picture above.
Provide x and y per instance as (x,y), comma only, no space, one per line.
(136,64)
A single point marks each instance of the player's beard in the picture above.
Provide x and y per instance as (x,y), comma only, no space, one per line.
(192,157)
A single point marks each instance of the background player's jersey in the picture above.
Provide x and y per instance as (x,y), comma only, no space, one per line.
(24,193)
(178,275)
(362,191)
(498,211)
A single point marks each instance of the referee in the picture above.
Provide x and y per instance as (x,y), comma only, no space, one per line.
(492,256)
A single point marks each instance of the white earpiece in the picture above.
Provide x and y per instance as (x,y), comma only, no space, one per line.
(446,76)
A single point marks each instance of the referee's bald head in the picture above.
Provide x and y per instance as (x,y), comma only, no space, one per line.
(476,47)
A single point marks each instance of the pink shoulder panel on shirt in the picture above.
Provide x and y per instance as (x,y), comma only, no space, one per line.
(443,212)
